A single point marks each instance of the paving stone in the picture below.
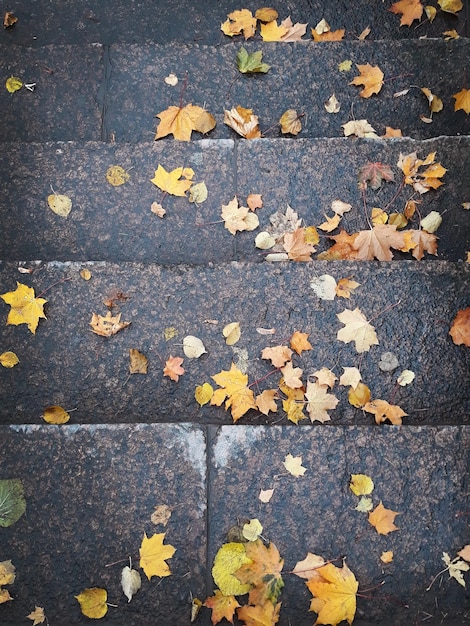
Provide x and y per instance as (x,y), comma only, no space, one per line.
(65,363)
(137,91)
(63,105)
(90,493)
(145,21)
(419,472)
(116,223)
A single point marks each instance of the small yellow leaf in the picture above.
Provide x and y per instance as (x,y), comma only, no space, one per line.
(61,205)
(345,66)
(387,557)
(55,415)
(116,175)
(252,530)
(198,193)
(25,307)
(93,602)
(361,484)
(5,596)
(430,12)
(359,396)
(85,273)
(228,560)
(378,216)
(294,465)
(138,362)
(450,6)
(365,33)
(171,80)
(435,103)
(266,14)
(9,359)
(451,34)
(174,182)
(37,616)
(272,31)
(290,122)
(7,573)
(203,394)
(232,333)
(169,333)
(345,286)
(13,84)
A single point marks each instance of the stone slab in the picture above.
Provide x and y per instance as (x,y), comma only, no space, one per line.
(90,493)
(64,105)
(116,223)
(110,21)
(411,306)
(302,77)
(419,472)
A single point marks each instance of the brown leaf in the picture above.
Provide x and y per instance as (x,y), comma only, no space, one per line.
(295,246)
(382,519)
(138,362)
(278,355)
(243,122)
(371,77)
(299,342)
(265,401)
(376,242)
(385,411)
(460,329)
(173,368)
(410,10)
(108,325)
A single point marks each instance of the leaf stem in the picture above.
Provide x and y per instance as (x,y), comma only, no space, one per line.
(62,280)
(443,571)
(388,308)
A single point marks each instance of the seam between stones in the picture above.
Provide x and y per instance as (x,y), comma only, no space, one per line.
(235,185)
(210,431)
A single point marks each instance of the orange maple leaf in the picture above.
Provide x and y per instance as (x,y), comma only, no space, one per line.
(299,342)
(265,401)
(382,519)
(423,242)
(410,10)
(263,572)
(278,355)
(266,615)
(222,606)
(462,100)
(235,391)
(383,411)
(342,249)
(371,76)
(173,368)
(460,329)
(376,242)
(422,181)
(334,590)
(181,121)
(295,246)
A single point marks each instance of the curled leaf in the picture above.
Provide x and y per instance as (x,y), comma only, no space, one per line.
(55,415)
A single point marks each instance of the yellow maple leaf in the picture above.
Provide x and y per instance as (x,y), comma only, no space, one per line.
(356,329)
(243,121)
(25,307)
(410,10)
(361,484)
(153,554)
(234,391)
(294,403)
(462,101)
(93,602)
(334,594)
(266,614)
(222,606)
(319,401)
(296,247)
(345,286)
(272,32)
(266,401)
(238,22)
(37,616)
(382,519)
(262,572)
(177,182)
(299,342)
(383,411)
(238,218)
(181,121)
(371,76)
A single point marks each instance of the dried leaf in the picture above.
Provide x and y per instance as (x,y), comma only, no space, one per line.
(173,368)
(161,515)
(345,66)
(462,100)
(264,241)
(345,286)
(294,32)
(266,14)
(331,223)
(252,530)
(406,378)
(198,193)
(324,286)
(171,80)
(383,411)
(263,572)
(410,10)
(290,122)
(239,22)
(376,242)
(365,33)
(332,105)
(292,376)
(460,329)
(278,355)
(422,181)
(232,333)
(296,247)
(254,201)
(371,77)
(294,465)
(361,484)
(319,401)
(37,616)
(9,359)
(116,175)
(181,121)
(387,557)
(375,173)
(323,32)
(9,20)
(193,347)
(55,415)
(130,582)
(465,553)
(7,573)
(25,307)
(325,377)
(222,606)
(138,362)
(153,554)
(177,182)
(13,84)
(351,376)
(265,495)
(359,128)
(266,614)
(234,391)
(388,362)
(93,602)
(307,568)
(265,401)
(382,519)
(157,208)
(435,103)
(272,31)
(299,342)
(334,594)
(61,205)
(359,396)
(108,325)
(356,329)
(455,568)
(450,6)
(243,122)
(237,219)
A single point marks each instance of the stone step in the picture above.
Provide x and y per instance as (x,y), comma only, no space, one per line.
(411,305)
(116,223)
(110,21)
(121,88)
(91,490)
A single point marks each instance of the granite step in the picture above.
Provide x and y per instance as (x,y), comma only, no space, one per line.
(411,305)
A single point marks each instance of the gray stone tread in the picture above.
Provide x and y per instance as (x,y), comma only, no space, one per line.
(65,363)
(116,223)
(91,489)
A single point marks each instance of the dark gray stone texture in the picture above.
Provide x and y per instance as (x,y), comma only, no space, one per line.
(116,223)
(302,77)
(144,21)
(90,493)
(64,104)
(65,363)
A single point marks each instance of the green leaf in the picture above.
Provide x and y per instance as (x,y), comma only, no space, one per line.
(12,502)
(251,62)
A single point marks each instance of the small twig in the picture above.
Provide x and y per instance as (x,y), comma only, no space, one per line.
(388,308)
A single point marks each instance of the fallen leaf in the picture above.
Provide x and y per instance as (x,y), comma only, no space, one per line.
(282,223)
(117,175)
(450,34)
(238,22)
(455,568)
(410,10)
(345,66)
(359,396)
(323,32)
(237,219)
(169,333)
(388,362)
(12,502)
(9,359)
(93,602)
(462,100)
(296,247)
(374,173)
(61,205)
(243,122)
(171,80)
(251,62)
(378,216)
(193,347)
(332,105)
(294,32)
(423,241)
(229,558)
(377,241)
(460,329)
(37,616)
(203,394)
(266,14)
(292,376)
(307,568)
(299,342)
(153,554)
(464,553)
(272,31)
(365,33)
(290,122)
(382,519)
(161,515)
(361,484)
(130,582)
(13,84)
(55,415)
(325,377)
(392,132)
(383,411)
(9,20)
(422,181)
(359,128)
(252,530)
(293,465)
(5,596)
(371,77)
(232,333)
(222,606)
(356,329)
(351,376)
(331,223)
(177,182)
(264,241)
(435,103)
(364,505)
(262,572)
(345,286)
(25,307)
(319,401)
(85,274)
(450,6)
(7,573)
(181,121)
(324,286)
(278,355)
(431,13)
(138,362)
(173,368)
(108,325)
(294,403)
(406,378)
(234,391)
(198,193)
(254,201)
(265,401)
(266,614)
(387,557)
(334,594)
(157,208)
(265,495)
